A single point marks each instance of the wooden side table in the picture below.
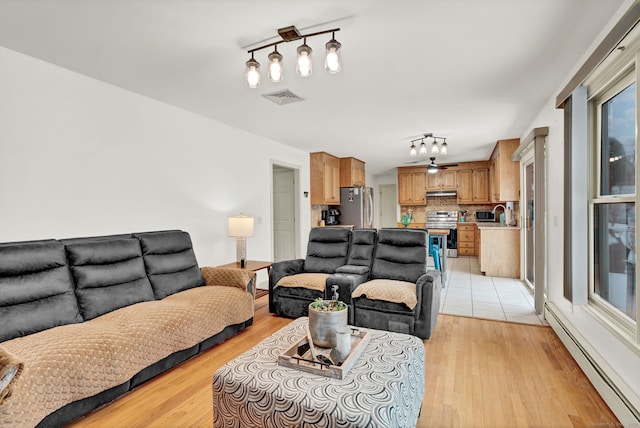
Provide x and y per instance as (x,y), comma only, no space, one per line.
(252,265)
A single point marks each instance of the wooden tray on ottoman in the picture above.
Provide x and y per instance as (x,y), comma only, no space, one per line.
(292,359)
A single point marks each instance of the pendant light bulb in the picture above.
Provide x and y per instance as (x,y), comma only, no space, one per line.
(443,148)
(434,147)
(413,152)
(304,66)
(275,66)
(423,148)
(333,56)
(252,74)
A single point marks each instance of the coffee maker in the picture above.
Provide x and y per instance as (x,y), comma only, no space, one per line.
(330,216)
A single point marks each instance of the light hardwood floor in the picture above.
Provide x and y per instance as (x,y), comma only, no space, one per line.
(479,373)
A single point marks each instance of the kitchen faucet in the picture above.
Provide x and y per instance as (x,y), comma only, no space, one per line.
(504,209)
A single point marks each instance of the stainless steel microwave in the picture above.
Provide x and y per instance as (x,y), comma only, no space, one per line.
(482,215)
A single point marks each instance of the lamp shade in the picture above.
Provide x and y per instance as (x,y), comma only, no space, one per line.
(240,226)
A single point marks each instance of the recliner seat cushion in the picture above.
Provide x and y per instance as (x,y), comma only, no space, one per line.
(327,249)
(109,274)
(36,289)
(388,290)
(170,262)
(311,281)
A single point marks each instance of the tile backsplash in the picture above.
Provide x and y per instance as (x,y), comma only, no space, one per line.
(447,203)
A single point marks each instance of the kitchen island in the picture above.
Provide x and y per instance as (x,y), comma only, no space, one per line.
(499,253)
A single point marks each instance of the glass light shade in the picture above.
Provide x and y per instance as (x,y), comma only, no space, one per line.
(252,74)
(434,147)
(432,170)
(443,148)
(333,57)
(413,152)
(275,66)
(240,226)
(304,66)
(423,148)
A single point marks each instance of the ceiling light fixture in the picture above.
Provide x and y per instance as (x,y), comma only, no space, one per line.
(304,63)
(435,148)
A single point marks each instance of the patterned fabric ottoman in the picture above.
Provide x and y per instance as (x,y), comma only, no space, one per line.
(384,388)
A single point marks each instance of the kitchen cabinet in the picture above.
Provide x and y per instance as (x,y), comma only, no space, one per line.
(473,186)
(412,185)
(352,172)
(500,251)
(466,239)
(325,179)
(505,173)
(442,180)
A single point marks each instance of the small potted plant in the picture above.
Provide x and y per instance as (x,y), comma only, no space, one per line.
(324,317)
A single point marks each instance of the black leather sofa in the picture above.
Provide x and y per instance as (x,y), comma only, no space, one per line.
(89,319)
(384,281)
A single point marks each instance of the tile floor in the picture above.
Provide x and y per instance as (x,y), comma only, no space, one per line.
(470,293)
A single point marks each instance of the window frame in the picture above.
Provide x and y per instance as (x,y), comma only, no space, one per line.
(607,81)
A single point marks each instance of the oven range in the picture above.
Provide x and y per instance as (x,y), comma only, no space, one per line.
(445,220)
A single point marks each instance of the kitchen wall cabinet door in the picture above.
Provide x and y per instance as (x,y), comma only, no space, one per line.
(505,173)
(465,186)
(480,186)
(352,172)
(412,186)
(442,180)
(325,179)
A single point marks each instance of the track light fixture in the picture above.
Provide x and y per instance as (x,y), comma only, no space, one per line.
(304,63)
(422,151)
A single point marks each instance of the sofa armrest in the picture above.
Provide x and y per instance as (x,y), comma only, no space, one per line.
(230,277)
(10,370)
(278,271)
(428,290)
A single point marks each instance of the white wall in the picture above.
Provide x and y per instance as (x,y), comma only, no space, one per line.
(80,157)
(619,357)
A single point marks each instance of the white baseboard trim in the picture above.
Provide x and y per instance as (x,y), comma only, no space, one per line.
(619,397)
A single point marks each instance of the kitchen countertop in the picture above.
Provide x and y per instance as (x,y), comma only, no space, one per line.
(489,225)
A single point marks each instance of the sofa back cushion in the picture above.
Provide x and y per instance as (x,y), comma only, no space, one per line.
(363,244)
(327,249)
(170,262)
(401,254)
(108,272)
(36,289)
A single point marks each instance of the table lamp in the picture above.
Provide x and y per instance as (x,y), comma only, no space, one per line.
(240,227)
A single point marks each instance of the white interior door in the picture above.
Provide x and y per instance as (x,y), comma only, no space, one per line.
(284,221)
(388,205)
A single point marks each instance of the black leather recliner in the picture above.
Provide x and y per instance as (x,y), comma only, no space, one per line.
(294,284)
(400,294)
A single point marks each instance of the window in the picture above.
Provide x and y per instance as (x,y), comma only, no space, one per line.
(613,200)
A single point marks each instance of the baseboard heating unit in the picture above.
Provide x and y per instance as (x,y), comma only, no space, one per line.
(621,400)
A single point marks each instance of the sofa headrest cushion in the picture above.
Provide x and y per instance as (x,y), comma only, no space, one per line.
(401,254)
(36,289)
(109,274)
(170,262)
(327,249)
(363,242)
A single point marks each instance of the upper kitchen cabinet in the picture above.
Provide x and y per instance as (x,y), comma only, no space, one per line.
(325,179)
(473,183)
(352,172)
(412,183)
(442,180)
(504,173)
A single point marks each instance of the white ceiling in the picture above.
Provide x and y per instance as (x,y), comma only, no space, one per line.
(473,71)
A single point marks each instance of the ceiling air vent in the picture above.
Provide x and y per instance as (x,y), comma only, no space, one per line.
(283,97)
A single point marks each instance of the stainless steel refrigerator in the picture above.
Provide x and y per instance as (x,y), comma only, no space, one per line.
(356,206)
